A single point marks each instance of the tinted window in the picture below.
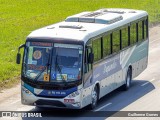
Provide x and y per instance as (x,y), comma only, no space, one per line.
(124,37)
(88,66)
(97,49)
(145,29)
(116,41)
(106,45)
(140,31)
(133,36)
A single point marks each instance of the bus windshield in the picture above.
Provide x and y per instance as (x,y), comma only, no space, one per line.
(67,61)
(59,62)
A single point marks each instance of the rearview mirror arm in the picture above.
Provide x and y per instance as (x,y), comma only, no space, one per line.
(21,46)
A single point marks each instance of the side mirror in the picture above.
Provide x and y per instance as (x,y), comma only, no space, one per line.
(18,60)
(90,58)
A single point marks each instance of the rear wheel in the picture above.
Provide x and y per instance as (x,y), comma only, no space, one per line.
(127,85)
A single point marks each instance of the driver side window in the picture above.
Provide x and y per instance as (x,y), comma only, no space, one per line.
(88,66)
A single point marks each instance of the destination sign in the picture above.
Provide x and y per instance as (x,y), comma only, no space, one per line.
(68,46)
(44,44)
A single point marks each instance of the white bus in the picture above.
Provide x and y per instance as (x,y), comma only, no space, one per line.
(74,63)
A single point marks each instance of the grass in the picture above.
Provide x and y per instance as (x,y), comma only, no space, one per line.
(19,17)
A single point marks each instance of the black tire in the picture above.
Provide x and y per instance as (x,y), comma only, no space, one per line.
(127,84)
(39,108)
(95,96)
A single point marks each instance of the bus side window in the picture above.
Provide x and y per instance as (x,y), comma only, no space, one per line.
(97,49)
(145,29)
(124,37)
(140,30)
(116,41)
(133,35)
(88,66)
(106,45)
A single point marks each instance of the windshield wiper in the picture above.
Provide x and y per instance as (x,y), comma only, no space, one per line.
(46,67)
(59,69)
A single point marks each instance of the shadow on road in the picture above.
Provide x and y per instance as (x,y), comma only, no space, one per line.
(119,99)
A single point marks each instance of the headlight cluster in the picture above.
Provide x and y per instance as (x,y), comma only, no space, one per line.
(74,94)
(26,91)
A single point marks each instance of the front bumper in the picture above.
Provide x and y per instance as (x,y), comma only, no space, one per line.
(28,98)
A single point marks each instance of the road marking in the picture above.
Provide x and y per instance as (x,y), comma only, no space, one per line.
(148,82)
(15,101)
(153,50)
(103,107)
(154,40)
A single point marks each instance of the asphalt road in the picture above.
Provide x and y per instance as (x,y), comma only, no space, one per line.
(144,95)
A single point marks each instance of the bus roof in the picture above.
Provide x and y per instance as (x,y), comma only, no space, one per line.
(85,25)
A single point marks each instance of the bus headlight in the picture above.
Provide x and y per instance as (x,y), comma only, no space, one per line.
(74,94)
(22,83)
(26,91)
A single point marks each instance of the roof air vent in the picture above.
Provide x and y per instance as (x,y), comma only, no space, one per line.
(71,26)
(112,11)
(132,11)
(93,14)
(50,27)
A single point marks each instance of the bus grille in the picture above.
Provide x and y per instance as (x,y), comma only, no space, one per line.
(50,103)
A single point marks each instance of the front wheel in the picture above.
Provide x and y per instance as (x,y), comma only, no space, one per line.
(94,98)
